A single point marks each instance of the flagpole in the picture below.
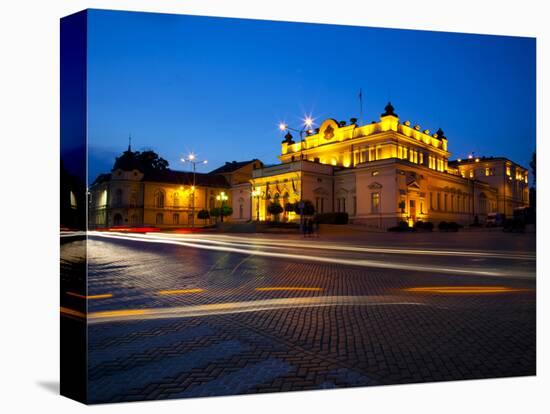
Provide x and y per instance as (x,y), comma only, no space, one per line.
(360,106)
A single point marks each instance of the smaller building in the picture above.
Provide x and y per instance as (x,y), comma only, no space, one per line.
(131,195)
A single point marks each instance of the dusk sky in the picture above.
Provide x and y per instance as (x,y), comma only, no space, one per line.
(219,87)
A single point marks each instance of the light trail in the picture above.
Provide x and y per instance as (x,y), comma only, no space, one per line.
(282,245)
(90,297)
(319,259)
(243,307)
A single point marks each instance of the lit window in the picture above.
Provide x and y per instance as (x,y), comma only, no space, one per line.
(375,202)
(471,173)
(508,171)
(487,172)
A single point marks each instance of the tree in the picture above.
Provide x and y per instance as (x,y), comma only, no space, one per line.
(274,209)
(215,212)
(150,161)
(203,215)
(225,211)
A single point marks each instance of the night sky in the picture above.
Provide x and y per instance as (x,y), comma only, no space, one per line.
(219,87)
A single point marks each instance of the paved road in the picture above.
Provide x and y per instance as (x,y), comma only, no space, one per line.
(174,316)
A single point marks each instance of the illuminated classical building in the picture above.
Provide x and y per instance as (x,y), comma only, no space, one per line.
(129,196)
(380,173)
(385,172)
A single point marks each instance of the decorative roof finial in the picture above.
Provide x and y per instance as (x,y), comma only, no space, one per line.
(389,110)
(288,138)
(440,133)
(130,142)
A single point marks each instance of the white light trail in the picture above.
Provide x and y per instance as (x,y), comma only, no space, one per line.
(148,238)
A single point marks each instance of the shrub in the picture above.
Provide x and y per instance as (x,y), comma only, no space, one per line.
(331,218)
(402,226)
(449,226)
(215,212)
(274,209)
(423,226)
(203,215)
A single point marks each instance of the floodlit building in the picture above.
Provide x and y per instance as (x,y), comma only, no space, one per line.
(385,172)
(379,174)
(129,196)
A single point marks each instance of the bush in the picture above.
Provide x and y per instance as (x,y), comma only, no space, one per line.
(402,226)
(274,209)
(449,226)
(331,218)
(423,226)
(203,215)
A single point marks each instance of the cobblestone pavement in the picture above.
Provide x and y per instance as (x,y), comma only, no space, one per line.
(244,323)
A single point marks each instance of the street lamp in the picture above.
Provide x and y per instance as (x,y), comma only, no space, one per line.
(192,159)
(221,197)
(256,193)
(307,124)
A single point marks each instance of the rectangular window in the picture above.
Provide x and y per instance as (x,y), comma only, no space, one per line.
(354,205)
(431,201)
(176,218)
(375,202)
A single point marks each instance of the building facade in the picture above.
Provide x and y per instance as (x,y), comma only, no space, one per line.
(385,172)
(132,197)
(379,174)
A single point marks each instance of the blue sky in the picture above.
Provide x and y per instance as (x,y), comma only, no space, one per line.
(219,87)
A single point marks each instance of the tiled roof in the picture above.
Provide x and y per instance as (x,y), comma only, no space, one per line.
(186,178)
(231,166)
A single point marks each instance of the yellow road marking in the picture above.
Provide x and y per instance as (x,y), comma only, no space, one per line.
(464,289)
(297,288)
(122,312)
(180,291)
(90,297)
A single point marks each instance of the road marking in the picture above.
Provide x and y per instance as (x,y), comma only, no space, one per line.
(243,307)
(90,297)
(383,264)
(180,291)
(296,288)
(464,289)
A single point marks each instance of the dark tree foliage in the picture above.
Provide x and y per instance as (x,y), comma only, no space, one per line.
(150,161)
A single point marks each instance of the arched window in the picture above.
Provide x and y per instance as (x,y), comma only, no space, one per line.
(240,211)
(118,197)
(176,199)
(133,198)
(159,199)
(160,218)
(134,220)
(211,203)
(117,220)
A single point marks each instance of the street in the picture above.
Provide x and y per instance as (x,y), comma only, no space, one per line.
(190,315)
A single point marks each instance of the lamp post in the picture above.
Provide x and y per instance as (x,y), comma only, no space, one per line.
(308,123)
(222,197)
(256,193)
(192,159)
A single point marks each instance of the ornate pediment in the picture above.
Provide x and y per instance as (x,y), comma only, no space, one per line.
(413,184)
(375,186)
